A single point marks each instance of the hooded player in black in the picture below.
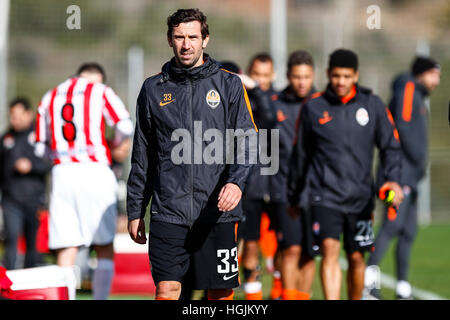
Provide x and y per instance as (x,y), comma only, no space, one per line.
(410,114)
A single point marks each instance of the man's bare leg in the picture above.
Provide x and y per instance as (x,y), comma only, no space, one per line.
(306,278)
(330,271)
(290,271)
(355,275)
(168,290)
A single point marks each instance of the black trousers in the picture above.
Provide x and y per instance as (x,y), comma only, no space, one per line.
(404,227)
(20,217)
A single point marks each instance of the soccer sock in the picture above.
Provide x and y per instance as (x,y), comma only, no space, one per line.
(404,289)
(372,277)
(230,297)
(303,295)
(253,290)
(69,274)
(102,278)
(289,294)
(277,286)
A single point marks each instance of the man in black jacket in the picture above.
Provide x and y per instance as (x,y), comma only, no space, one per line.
(195,191)
(255,199)
(22,178)
(410,115)
(293,234)
(336,136)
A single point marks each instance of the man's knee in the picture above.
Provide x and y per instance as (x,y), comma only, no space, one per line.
(104,251)
(356,259)
(168,289)
(220,294)
(292,252)
(330,248)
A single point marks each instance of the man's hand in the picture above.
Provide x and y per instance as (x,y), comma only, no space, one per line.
(136,229)
(294,211)
(120,153)
(23,165)
(398,199)
(229,197)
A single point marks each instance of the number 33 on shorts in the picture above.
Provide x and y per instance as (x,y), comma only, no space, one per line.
(228,263)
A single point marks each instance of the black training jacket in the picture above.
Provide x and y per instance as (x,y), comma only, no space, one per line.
(287,105)
(410,114)
(174,99)
(264,114)
(28,188)
(334,150)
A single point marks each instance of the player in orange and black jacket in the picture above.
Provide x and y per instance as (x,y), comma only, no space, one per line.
(336,136)
(410,114)
(293,233)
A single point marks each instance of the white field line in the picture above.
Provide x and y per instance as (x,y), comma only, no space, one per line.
(391,282)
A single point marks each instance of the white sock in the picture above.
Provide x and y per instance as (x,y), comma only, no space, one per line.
(372,277)
(252,287)
(404,289)
(102,279)
(71,279)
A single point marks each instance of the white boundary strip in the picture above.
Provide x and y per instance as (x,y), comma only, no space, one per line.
(391,282)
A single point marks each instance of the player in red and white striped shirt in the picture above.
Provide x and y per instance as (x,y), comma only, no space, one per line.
(71,130)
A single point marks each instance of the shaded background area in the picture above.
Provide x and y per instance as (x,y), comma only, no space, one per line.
(43,51)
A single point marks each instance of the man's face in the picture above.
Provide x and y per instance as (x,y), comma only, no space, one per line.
(301,79)
(187,44)
(430,79)
(342,80)
(19,118)
(262,72)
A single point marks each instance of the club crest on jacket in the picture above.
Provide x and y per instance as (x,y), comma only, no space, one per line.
(212,98)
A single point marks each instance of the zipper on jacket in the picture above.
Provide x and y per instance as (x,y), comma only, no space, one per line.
(190,89)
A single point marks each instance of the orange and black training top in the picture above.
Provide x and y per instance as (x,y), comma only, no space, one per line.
(410,114)
(334,150)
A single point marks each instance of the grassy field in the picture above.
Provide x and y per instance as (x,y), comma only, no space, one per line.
(430,263)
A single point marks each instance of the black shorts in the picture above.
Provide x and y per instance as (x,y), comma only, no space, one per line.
(203,257)
(357,228)
(250,228)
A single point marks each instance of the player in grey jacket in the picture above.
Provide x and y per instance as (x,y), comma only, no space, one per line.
(410,114)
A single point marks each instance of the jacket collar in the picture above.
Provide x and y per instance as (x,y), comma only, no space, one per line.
(171,71)
(354,94)
(289,95)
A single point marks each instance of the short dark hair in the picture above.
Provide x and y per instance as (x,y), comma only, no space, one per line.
(343,58)
(22,101)
(422,64)
(93,67)
(262,56)
(187,15)
(299,57)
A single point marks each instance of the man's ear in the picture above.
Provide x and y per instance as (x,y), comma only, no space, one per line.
(169,40)
(356,76)
(274,76)
(205,42)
